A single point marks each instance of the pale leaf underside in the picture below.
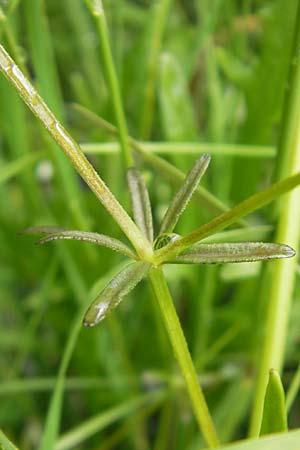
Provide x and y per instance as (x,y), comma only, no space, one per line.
(140,202)
(184,194)
(55,233)
(110,297)
(233,253)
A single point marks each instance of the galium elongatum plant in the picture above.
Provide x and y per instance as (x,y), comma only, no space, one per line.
(149,252)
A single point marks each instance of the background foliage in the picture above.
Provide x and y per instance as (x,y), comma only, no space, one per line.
(190,71)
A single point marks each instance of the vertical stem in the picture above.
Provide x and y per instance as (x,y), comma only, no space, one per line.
(281,281)
(161,9)
(183,356)
(98,12)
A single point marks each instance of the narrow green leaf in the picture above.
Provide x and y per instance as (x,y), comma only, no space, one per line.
(108,299)
(222,221)
(274,418)
(5,443)
(233,253)
(86,236)
(140,202)
(184,194)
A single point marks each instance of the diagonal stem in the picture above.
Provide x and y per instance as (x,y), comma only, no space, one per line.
(74,152)
(183,356)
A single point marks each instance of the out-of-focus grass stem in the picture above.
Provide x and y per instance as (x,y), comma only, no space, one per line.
(282,273)
(160,10)
(97,10)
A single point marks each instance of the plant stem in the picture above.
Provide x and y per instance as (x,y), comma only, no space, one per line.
(281,279)
(97,10)
(183,356)
(74,152)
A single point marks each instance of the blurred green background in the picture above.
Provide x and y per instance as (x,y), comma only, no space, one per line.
(191,71)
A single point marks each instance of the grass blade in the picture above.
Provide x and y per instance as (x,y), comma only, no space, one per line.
(274,413)
(5,443)
(186,148)
(110,297)
(280,279)
(184,194)
(140,202)
(233,253)
(74,437)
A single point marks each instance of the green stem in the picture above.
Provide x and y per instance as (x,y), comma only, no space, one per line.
(281,279)
(97,10)
(74,152)
(183,356)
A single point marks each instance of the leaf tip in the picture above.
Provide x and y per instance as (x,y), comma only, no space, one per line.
(288,252)
(87,323)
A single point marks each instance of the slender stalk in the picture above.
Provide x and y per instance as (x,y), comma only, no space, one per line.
(160,10)
(184,148)
(183,356)
(282,278)
(74,152)
(97,10)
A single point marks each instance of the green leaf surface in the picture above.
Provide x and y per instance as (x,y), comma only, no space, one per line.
(140,202)
(76,235)
(110,297)
(184,194)
(233,253)
(274,418)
